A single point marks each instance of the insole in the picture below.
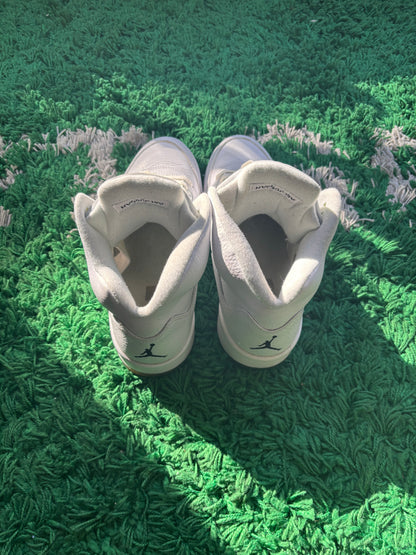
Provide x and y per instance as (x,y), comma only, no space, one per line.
(269,244)
(142,257)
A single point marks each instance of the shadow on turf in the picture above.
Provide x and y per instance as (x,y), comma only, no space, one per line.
(335,420)
(74,479)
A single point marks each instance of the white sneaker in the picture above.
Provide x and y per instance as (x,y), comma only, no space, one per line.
(146,241)
(272,226)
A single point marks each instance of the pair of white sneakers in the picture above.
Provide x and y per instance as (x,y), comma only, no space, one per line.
(147,238)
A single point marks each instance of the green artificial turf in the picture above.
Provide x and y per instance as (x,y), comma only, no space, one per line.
(316,455)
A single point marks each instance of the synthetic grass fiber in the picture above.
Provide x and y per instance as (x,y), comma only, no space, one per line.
(316,455)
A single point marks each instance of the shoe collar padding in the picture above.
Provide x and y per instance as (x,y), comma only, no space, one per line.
(280,191)
(127,202)
(235,260)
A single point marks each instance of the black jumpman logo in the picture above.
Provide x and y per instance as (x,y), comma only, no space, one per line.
(267,345)
(148,353)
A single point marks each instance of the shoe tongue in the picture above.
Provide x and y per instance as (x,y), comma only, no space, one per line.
(280,191)
(126,203)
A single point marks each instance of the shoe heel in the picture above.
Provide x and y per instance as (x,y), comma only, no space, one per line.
(249,359)
(157,354)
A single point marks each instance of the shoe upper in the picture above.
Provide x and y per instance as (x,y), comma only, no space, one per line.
(146,242)
(272,227)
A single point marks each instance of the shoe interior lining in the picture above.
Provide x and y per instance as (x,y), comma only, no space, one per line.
(272,250)
(141,258)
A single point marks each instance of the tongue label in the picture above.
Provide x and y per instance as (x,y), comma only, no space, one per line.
(274,189)
(125,204)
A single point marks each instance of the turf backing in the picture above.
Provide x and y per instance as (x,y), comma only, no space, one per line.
(316,455)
